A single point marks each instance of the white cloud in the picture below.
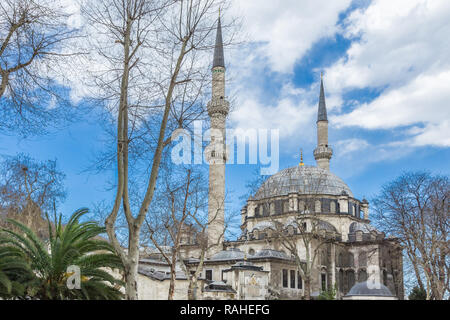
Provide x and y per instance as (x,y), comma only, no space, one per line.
(349,146)
(402,50)
(287,29)
(434,134)
(424,100)
(291,116)
(398,40)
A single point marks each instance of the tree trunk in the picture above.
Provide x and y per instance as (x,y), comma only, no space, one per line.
(131,267)
(192,290)
(172,282)
(131,271)
(190,293)
(308,288)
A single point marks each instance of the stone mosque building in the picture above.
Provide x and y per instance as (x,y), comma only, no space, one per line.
(304,207)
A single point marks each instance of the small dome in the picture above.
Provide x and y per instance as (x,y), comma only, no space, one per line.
(269,253)
(370,289)
(264,225)
(231,254)
(324,225)
(304,180)
(364,227)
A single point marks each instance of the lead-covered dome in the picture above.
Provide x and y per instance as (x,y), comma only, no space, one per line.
(230,254)
(366,288)
(304,180)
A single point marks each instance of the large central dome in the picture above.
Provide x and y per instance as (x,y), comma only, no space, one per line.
(303,180)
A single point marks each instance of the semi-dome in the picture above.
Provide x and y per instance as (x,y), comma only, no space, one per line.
(364,227)
(324,225)
(304,180)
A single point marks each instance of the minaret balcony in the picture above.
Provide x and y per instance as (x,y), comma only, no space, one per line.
(218,106)
(215,157)
(323,152)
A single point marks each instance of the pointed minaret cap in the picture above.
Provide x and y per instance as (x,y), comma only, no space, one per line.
(219,60)
(322,114)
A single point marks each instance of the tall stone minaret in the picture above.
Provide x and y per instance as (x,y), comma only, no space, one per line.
(323,152)
(218,109)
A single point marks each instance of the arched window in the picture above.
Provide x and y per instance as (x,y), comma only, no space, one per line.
(286,206)
(350,279)
(341,260)
(285,278)
(318,207)
(351,260)
(301,206)
(362,259)
(251,251)
(333,207)
(272,208)
(362,276)
(299,281)
(265,210)
(323,281)
(341,281)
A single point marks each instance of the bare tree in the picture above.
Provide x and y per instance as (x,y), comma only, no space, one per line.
(414,208)
(193,267)
(34,41)
(179,221)
(29,188)
(153,83)
(170,226)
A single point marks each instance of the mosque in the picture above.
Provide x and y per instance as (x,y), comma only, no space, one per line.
(303,232)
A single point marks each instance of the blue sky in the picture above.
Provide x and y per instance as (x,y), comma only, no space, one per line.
(387,84)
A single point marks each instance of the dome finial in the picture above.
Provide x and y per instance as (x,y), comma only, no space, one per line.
(301,158)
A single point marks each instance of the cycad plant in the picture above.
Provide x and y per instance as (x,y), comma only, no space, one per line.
(34,268)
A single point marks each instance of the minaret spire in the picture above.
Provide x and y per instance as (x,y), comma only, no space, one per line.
(218,109)
(323,152)
(219,60)
(322,114)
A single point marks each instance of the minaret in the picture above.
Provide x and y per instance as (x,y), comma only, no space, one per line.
(323,152)
(218,109)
